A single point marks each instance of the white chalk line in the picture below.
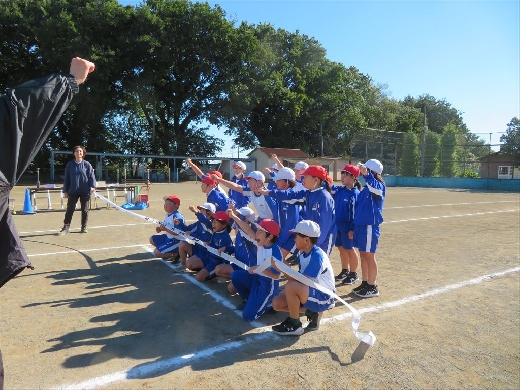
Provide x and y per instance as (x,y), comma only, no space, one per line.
(452,216)
(170,364)
(448,204)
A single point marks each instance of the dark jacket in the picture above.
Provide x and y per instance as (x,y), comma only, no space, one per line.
(28,113)
(79,178)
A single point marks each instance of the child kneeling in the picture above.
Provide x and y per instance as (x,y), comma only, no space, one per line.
(298,297)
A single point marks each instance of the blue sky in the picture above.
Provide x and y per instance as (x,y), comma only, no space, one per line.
(466,52)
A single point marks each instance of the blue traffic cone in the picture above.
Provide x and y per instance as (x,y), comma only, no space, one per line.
(27,204)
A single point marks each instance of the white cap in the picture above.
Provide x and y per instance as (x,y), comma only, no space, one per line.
(239,164)
(248,213)
(374,165)
(257,175)
(275,166)
(307,228)
(208,206)
(285,174)
(301,165)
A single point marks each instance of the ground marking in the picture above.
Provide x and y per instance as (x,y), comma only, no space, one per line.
(449,204)
(452,216)
(168,365)
(86,250)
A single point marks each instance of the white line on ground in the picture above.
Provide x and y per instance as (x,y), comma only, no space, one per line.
(164,366)
(452,216)
(90,227)
(448,204)
(86,250)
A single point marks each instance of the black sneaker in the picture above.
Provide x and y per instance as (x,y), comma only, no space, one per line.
(287,328)
(314,321)
(211,276)
(368,292)
(363,284)
(351,278)
(293,260)
(84,229)
(342,275)
(175,259)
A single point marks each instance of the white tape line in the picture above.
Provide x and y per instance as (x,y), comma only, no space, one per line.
(183,236)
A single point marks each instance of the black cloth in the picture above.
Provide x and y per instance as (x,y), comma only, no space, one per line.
(28,113)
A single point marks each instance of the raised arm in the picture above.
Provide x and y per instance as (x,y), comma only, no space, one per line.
(195,168)
(277,161)
(229,184)
(244,226)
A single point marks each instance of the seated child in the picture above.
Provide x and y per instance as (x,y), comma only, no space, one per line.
(298,297)
(245,248)
(204,261)
(258,289)
(200,229)
(166,245)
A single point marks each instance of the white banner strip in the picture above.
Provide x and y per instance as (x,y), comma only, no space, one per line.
(368,338)
(182,236)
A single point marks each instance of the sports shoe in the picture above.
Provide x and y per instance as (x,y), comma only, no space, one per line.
(64,229)
(84,229)
(342,275)
(363,284)
(293,260)
(314,321)
(211,276)
(351,278)
(368,292)
(179,267)
(176,259)
(287,328)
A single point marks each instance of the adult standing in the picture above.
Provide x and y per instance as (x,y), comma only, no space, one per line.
(78,184)
(28,113)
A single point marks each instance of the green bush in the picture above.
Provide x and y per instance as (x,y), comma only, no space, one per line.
(470,174)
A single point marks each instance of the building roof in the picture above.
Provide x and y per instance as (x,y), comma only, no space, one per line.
(282,152)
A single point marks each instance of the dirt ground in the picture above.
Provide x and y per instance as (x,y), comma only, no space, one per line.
(100,312)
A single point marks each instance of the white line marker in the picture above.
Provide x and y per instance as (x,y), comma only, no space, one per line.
(452,216)
(168,365)
(449,204)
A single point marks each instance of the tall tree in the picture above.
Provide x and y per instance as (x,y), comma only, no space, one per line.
(511,140)
(448,154)
(409,161)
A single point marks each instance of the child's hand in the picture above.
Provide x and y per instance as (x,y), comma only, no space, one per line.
(193,209)
(351,234)
(251,270)
(188,161)
(267,169)
(176,221)
(158,229)
(231,213)
(215,177)
(220,250)
(261,191)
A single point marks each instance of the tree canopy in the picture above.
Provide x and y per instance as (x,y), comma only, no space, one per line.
(166,69)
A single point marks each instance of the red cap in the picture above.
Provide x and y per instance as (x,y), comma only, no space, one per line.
(174,199)
(352,169)
(269,226)
(316,170)
(221,216)
(209,181)
(216,173)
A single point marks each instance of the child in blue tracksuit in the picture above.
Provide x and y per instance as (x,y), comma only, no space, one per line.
(318,203)
(239,199)
(299,297)
(166,245)
(367,219)
(204,261)
(200,229)
(220,200)
(258,289)
(245,248)
(345,197)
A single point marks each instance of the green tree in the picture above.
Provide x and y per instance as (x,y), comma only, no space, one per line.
(448,155)
(511,140)
(409,161)
(431,154)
